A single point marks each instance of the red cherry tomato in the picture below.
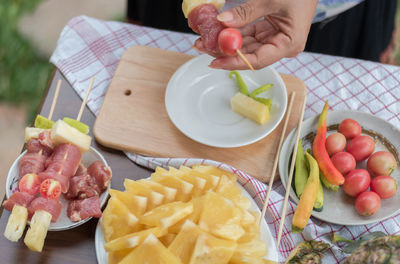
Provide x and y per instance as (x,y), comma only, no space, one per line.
(344,162)
(385,186)
(50,189)
(350,128)
(361,147)
(229,41)
(30,183)
(335,143)
(356,182)
(381,163)
(368,203)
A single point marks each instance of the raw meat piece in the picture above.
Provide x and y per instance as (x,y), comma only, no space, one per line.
(31,163)
(20,198)
(49,205)
(81,187)
(101,174)
(81,209)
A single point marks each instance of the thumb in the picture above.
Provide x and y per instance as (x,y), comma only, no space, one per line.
(243,14)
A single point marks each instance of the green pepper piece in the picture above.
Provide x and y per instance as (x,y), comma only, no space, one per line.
(266,101)
(261,89)
(301,172)
(242,86)
(43,122)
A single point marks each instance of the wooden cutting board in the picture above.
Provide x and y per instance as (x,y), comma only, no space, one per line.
(133,115)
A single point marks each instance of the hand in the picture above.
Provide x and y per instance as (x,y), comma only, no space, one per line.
(281,33)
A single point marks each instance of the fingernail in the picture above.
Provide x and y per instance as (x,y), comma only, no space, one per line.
(225,16)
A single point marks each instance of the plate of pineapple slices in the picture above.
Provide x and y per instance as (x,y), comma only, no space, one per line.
(225,109)
(191,215)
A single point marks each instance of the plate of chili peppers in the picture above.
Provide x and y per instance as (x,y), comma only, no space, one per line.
(338,207)
(198,102)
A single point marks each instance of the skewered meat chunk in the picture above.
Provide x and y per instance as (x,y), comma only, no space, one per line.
(81,170)
(81,209)
(101,174)
(19,198)
(49,205)
(81,187)
(31,163)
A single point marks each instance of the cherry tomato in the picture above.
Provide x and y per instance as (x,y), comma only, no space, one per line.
(30,183)
(356,182)
(350,128)
(367,203)
(381,163)
(50,189)
(385,186)
(361,147)
(229,41)
(335,143)
(344,162)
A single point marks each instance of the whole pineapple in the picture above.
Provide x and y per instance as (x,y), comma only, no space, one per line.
(307,252)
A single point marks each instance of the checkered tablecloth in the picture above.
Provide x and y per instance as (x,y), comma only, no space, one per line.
(89,47)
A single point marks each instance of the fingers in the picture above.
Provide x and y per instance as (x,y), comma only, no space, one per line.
(243,14)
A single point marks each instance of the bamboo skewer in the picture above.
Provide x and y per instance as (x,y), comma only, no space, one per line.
(85,100)
(289,183)
(244,59)
(53,104)
(271,180)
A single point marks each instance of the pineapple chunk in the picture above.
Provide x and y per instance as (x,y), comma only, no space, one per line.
(166,215)
(250,108)
(198,183)
(189,5)
(134,239)
(212,250)
(211,180)
(118,220)
(167,239)
(221,217)
(115,257)
(151,251)
(64,133)
(36,234)
(249,245)
(154,198)
(248,260)
(32,132)
(184,188)
(135,203)
(169,193)
(194,216)
(214,171)
(231,191)
(16,223)
(185,241)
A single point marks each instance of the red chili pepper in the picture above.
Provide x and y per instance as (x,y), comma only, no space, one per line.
(332,175)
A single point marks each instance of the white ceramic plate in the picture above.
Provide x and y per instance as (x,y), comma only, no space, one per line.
(102,255)
(197,100)
(338,207)
(63,222)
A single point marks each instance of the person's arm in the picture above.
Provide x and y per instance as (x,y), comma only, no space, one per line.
(281,33)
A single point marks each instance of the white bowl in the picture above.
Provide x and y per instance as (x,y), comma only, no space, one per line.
(197,100)
(63,223)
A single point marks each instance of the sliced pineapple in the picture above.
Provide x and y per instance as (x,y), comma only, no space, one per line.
(118,220)
(36,234)
(16,223)
(184,188)
(154,199)
(151,251)
(135,203)
(168,214)
(115,257)
(167,239)
(185,241)
(168,192)
(194,216)
(230,190)
(214,171)
(250,108)
(64,133)
(198,183)
(221,217)
(211,250)
(33,132)
(248,260)
(211,180)
(134,239)
(252,246)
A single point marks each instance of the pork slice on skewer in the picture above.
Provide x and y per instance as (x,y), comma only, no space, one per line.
(81,209)
(17,204)
(101,174)
(81,187)
(31,163)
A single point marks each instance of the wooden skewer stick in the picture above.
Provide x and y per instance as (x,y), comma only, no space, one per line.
(85,100)
(289,183)
(244,59)
(53,104)
(271,180)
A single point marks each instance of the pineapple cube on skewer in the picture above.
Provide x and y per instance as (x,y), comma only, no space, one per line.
(250,108)
(61,133)
(36,234)
(16,223)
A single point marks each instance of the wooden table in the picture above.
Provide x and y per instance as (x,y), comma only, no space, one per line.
(75,245)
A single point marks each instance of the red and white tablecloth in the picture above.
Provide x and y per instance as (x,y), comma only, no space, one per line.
(89,47)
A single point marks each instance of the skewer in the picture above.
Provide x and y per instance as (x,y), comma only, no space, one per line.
(53,104)
(271,180)
(244,59)
(85,100)
(289,183)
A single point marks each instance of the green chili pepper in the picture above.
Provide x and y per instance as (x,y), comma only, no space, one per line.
(266,101)
(242,86)
(260,89)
